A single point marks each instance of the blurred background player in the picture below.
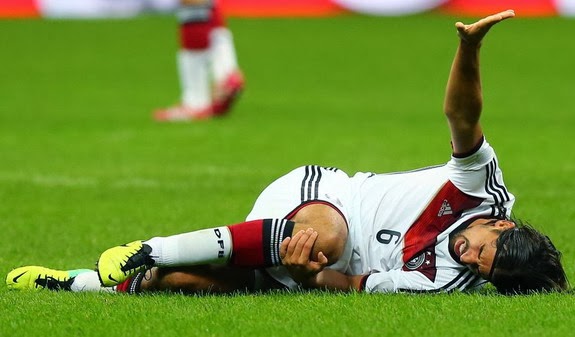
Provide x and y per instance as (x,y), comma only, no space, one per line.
(210,78)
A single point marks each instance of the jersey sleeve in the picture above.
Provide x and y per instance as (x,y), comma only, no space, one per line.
(395,281)
(479,175)
(476,160)
(468,173)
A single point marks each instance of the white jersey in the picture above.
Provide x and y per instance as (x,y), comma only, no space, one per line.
(399,223)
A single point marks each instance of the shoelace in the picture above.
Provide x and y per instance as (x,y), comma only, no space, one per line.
(50,282)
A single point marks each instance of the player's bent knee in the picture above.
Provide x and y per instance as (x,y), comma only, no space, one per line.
(330,225)
(331,243)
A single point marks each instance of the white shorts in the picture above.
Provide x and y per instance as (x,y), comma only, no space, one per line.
(289,193)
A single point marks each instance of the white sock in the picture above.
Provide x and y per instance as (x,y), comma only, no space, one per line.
(87,280)
(222,54)
(194,78)
(204,246)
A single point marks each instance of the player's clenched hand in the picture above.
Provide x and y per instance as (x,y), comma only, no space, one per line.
(295,253)
(474,33)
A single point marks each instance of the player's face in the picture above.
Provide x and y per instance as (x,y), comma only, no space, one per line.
(476,245)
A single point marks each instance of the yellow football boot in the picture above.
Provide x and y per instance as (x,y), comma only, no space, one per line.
(117,264)
(39,278)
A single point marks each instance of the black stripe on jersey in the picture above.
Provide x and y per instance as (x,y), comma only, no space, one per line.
(475,283)
(495,189)
(463,284)
(494,212)
(498,211)
(470,280)
(457,282)
(316,187)
(499,185)
(310,183)
(490,172)
(303,184)
(449,287)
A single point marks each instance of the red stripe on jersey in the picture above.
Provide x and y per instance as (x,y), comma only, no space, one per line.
(445,208)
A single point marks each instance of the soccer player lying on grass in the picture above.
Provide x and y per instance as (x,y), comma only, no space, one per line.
(441,228)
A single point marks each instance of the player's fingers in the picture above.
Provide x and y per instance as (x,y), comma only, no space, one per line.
(293,244)
(489,21)
(322,259)
(461,29)
(308,246)
(484,24)
(284,247)
(505,15)
(300,246)
(320,264)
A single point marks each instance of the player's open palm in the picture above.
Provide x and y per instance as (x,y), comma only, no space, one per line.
(295,253)
(475,32)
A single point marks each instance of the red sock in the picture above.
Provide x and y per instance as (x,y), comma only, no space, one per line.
(196,34)
(123,287)
(256,243)
(132,285)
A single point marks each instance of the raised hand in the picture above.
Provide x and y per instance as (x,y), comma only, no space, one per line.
(474,33)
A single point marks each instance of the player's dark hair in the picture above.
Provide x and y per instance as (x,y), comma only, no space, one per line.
(526,261)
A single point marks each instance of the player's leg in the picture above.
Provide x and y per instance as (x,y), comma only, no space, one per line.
(198,279)
(193,63)
(255,245)
(224,278)
(252,244)
(195,279)
(228,79)
(322,217)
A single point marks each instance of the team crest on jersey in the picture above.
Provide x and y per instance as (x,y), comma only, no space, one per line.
(416,262)
(423,263)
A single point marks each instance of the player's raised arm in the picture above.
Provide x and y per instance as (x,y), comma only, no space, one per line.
(463,98)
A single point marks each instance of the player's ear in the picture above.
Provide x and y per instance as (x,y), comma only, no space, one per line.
(504,224)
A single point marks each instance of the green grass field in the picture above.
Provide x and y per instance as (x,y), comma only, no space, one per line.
(83,167)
